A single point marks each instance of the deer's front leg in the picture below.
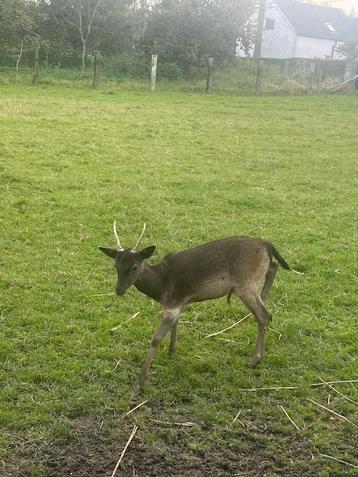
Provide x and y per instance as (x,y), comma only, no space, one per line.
(168,319)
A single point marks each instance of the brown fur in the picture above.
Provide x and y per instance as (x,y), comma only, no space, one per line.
(235,265)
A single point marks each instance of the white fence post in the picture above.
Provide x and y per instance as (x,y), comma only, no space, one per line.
(153,72)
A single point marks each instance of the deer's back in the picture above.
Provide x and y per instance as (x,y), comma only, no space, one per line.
(211,270)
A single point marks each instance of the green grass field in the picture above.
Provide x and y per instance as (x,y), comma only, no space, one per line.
(194,168)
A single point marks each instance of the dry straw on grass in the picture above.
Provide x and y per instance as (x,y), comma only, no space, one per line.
(289,418)
(136,407)
(338,392)
(115,328)
(277,388)
(135,428)
(167,423)
(332,412)
(228,328)
(338,460)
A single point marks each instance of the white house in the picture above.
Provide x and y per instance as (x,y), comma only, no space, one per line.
(302,30)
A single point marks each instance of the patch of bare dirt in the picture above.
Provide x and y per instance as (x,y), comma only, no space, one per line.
(94,451)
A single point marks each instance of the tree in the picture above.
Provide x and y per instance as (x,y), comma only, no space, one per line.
(184,32)
(120,26)
(52,30)
(187,31)
(80,15)
(16,25)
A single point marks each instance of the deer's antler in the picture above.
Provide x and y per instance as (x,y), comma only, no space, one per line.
(119,246)
(134,249)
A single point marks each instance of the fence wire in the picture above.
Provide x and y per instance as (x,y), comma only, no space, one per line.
(236,77)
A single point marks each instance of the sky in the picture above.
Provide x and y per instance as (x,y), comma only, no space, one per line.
(346,5)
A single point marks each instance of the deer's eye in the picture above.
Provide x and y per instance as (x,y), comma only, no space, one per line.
(134,268)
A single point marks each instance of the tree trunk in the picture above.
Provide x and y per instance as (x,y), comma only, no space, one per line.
(35,78)
(19,56)
(83,56)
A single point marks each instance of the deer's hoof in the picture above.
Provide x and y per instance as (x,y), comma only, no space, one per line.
(254,362)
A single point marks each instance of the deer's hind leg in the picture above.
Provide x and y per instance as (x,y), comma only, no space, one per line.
(255,304)
(173,336)
(270,277)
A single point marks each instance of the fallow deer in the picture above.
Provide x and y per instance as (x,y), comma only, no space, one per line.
(235,265)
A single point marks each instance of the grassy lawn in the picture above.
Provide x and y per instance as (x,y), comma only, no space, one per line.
(194,168)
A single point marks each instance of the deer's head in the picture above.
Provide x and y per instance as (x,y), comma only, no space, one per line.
(128,262)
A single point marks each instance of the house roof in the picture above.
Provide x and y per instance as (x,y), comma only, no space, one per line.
(318,21)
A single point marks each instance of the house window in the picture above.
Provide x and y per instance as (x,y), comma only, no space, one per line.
(269,24)
(330,27)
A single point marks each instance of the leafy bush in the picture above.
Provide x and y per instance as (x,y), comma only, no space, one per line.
(169,71)
(126,65)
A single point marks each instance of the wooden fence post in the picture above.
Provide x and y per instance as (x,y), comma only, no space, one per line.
(96,66)
(286,66)
(35,78)
(46,58)
(318,73)
(348,70)
(258,44)
(259,75)
(312,68)
(153,72)
(209,78)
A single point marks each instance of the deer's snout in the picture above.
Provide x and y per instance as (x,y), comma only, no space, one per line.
(121,291)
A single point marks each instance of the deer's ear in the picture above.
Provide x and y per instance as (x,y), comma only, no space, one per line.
(110,252)
(147,252)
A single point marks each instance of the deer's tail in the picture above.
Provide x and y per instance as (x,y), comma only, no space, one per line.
(279,258)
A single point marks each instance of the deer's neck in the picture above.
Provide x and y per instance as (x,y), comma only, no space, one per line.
(150,281)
